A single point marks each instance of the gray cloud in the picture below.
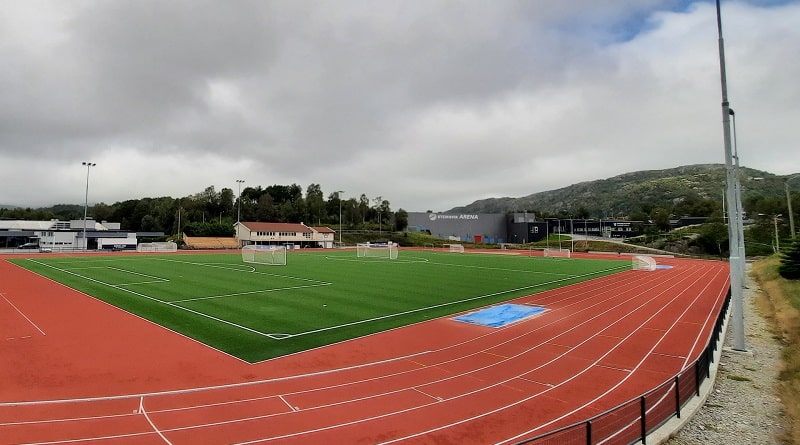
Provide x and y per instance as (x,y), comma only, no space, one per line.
(428,104)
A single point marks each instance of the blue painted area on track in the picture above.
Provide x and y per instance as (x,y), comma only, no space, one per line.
(501,315)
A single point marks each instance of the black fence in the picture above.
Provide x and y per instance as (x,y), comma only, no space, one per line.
(633,420)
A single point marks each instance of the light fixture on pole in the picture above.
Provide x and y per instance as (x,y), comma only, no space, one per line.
(239,201)
(734,220)
(339,195)
(88,165)
(789,204)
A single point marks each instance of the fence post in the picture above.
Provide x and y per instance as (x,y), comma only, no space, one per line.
(678,396)
(643,409)
(588,432)
(697,377)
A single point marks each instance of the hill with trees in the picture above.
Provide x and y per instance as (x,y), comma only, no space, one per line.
(692,190)
(654,195)
(213,213)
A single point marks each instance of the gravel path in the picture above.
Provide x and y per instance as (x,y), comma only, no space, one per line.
(743,406)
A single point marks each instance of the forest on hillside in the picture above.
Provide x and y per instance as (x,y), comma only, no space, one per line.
(216,211)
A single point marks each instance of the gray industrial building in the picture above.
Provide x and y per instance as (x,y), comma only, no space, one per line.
(467,227)
(515,228)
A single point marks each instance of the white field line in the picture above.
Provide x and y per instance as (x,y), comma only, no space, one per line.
(489,386)
(450,303)
(23,315)
(250,269)
(669,392)
(594,292)
(150,421)
(283,336)
(139,294)
(212,388)
(363,420)
(260,291)
(638,365)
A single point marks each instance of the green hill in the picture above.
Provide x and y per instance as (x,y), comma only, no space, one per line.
(631,192)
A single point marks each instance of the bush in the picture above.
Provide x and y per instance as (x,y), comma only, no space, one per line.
(790,262)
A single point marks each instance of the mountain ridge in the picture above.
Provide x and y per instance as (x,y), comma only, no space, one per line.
(632,192)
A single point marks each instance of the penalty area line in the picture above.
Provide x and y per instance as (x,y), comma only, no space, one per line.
(156,300)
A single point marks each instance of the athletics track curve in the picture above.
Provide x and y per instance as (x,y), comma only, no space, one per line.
(76,370)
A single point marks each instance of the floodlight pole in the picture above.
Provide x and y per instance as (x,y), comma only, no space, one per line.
(739,209)
(239,201)
(86,203)
(339,195)
(734,220)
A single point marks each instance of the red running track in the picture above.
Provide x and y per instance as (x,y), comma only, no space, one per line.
(76,370)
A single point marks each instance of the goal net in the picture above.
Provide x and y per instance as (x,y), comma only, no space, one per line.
(269,255)
(557,253)
(168,246)
(377,250)
(456,248)
(643,262)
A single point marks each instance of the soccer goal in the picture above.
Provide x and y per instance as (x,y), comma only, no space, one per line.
(455,248)
(557,253)
(643,262)
(377,250)
(168,246)
(269,255)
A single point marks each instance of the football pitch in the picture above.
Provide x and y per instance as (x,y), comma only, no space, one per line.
(257,312)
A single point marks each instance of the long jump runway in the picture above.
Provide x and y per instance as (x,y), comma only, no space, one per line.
(89,373)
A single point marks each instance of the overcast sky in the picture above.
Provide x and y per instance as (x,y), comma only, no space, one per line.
(429,104)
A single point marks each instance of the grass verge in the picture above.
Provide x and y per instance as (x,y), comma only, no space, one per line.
(780,303)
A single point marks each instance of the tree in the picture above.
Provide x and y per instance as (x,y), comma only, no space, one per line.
(363,208)
(660,218)
(713,238)
(790,261)
(226,201)
(265,209)
(315,204)
(400,220)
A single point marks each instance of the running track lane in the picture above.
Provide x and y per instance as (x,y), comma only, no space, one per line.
(600,343)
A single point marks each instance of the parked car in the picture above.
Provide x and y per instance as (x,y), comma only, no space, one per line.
(29,246)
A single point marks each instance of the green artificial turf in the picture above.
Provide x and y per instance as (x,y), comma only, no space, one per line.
(257,312)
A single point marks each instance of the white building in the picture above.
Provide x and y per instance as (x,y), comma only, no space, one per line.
(298,235)
(59,235)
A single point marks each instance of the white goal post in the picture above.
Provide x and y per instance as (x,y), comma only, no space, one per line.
(168,246)
(455,248)
(643,262)
(557,253)
(269,255)
(377,250)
